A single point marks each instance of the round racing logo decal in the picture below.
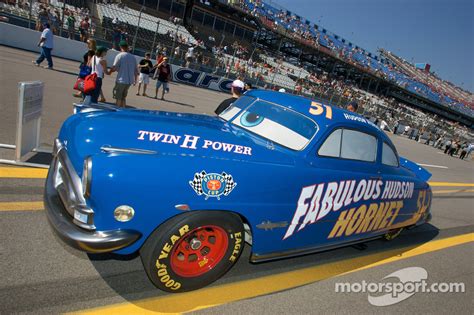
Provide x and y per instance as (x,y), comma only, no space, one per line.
(212,184)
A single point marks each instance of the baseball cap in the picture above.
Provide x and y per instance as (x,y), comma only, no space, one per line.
(101,49)
(123,43)
(282,90)
(238,84)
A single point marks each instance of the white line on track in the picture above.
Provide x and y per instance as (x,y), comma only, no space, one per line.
(434,166)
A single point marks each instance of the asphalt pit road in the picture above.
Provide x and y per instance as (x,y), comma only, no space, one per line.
(134,286)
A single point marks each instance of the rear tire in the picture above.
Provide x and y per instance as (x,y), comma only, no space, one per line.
(192,250)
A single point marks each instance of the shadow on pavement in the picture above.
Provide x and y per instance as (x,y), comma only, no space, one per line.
(134,286)
(178,103)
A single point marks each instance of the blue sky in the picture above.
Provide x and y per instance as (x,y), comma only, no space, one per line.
(438,32)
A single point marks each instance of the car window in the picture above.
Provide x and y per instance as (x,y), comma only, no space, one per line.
(358,145)
(350,144)
(241,103)
(278,124)
(332,145)
(388,156)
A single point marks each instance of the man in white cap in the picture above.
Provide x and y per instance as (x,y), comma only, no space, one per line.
(237,89)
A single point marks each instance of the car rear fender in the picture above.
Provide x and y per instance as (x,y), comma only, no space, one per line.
(420,172)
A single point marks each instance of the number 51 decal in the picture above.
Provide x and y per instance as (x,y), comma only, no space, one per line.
(318,108)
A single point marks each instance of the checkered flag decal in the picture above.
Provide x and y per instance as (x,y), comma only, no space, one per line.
(230,184)
(196,183)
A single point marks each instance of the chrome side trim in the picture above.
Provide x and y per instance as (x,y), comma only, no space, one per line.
(182,207)
(109,149)
(269,226)
(255,258)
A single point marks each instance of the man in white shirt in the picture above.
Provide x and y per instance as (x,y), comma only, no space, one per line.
(46,44)
(189,56)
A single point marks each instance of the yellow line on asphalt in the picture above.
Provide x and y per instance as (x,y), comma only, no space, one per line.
(218,295)
(449,184)
(21,206)
(453,191)
(22,172)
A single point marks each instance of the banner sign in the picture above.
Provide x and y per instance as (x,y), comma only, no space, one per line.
(200,79)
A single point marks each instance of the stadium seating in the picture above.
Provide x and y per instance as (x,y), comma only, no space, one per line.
(145,21)
(400,73)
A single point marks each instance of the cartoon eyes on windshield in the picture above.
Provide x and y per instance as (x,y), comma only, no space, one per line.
(250,119)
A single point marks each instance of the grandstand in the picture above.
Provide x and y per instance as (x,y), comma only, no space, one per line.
(280,19)
(146,21)
(267,45)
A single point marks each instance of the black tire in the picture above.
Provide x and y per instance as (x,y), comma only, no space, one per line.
(168,252)
(392,234)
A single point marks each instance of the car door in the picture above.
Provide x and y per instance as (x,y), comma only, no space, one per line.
(344,177)
(400,187)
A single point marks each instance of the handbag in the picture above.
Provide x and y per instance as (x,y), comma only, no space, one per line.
(90,82)
(79,85)
(84,70)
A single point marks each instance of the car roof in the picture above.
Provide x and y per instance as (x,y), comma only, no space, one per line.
(325,121)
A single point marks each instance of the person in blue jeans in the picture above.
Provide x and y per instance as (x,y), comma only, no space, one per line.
(46,44)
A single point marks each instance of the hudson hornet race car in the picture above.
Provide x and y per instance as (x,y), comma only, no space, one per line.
(283,173)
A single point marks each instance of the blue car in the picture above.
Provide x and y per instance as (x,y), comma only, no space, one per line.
(283,173)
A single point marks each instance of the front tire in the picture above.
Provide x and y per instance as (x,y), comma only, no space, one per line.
(192,250)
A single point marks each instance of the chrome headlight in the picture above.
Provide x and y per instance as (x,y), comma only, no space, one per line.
(124,213)
(87,176)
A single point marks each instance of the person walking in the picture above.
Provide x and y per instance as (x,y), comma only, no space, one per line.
(46,44)
(84,29)
(86,62)
(145,66)
(71,24)
(464,148)
(163,75)
(125,65)
(447,146)
(99,67)
(453,148)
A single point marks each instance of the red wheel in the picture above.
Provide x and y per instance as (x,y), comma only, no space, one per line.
(192,250)
(199,251)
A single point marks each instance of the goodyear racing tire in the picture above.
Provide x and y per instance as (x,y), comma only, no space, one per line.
(192,250)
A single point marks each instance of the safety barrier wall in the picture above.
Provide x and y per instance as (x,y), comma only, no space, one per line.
(24,38)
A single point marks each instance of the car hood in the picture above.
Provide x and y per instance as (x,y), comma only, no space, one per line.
(156,132)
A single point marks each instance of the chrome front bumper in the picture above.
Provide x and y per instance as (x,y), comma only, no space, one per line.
(64,203)
(69,187)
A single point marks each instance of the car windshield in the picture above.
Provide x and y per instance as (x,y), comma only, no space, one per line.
(271,121)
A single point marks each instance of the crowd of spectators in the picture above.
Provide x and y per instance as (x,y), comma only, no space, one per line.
(293,26)
(252,65)
(65,18)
